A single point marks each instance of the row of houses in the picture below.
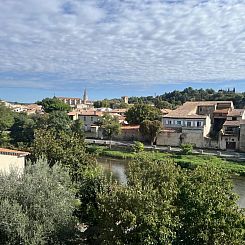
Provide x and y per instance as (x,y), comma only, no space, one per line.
(205,124)
(26,108)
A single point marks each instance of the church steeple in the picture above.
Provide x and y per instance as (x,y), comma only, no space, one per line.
(85,96)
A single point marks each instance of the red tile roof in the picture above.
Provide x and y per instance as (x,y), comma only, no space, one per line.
(236,112)
(130,127)
(232,123)
(91,113)
(5,151)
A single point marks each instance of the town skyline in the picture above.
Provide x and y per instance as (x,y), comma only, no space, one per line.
(32,95)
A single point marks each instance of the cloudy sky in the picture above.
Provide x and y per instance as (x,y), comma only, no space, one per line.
(119,47)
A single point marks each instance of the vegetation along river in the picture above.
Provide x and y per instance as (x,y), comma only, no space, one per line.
(118,166)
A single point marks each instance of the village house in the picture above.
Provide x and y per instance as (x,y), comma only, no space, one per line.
(89,118)
(229,138)
(12,159)
(193,122)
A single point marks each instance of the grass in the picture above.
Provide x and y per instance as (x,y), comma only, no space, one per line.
(185,161)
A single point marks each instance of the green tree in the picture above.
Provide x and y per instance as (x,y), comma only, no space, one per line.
(141,212)
(63,147)
(110,126)
(6,121)
(22,131)
(37,207)
(53,104)
(77,127)
(207,209)
(59,120)
(162,104)
(164,204)
(102,103)
(140,112)
(150,129)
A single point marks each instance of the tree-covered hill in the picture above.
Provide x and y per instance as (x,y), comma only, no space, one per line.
(176,97)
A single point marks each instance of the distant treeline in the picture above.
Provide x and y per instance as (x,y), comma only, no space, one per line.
(176,97)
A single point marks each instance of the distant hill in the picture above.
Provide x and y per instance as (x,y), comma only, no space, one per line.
(176,97)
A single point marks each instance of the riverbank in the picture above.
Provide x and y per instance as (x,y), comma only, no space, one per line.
(185,161)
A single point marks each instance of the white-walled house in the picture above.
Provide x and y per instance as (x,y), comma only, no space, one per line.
(192,123)
(12,159)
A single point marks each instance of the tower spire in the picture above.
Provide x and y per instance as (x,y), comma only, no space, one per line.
(85,96)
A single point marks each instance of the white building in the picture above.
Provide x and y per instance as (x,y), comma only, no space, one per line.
(12,159)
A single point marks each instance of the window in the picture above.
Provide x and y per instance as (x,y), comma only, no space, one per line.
(84,118)
(92,119)
(178,122)
(234,118)
(199,124)
(169,122)
(188,124)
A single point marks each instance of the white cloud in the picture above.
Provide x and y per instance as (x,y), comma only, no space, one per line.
(135,41)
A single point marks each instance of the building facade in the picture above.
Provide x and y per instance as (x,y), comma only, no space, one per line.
(193,123)
(12,159)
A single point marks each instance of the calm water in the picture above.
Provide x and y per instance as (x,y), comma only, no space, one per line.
(117,167)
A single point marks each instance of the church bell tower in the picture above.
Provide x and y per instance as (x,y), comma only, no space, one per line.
(85,96)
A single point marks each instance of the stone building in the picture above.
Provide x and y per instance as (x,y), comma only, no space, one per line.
(193,122)
(80,103)
(230,134)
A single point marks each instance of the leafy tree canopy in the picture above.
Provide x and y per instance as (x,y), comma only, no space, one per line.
(53,104)
(110,126)
(164,204)
(140,112)
(22,131)
(6,117)
(63,147)
(37,207)
(176,97)
(150,129)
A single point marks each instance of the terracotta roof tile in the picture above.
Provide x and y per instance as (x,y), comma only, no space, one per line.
(232,123)
(236,112)
(13,152)
(189,109)
(130,127)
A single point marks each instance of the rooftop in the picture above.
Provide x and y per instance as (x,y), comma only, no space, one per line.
(5,151)
(236,112)
(189,109)
(232,123)
(91,113)
(68,98)
(130,127)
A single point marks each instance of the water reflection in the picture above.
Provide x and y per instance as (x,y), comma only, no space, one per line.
(117,167)
(239,188)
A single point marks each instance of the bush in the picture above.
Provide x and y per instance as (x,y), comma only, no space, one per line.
(94,149)
(137,147)
(186,149)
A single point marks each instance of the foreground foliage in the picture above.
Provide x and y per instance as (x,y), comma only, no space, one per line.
(163,204)
(37,207)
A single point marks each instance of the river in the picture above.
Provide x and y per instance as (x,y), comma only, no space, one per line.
(118,166)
